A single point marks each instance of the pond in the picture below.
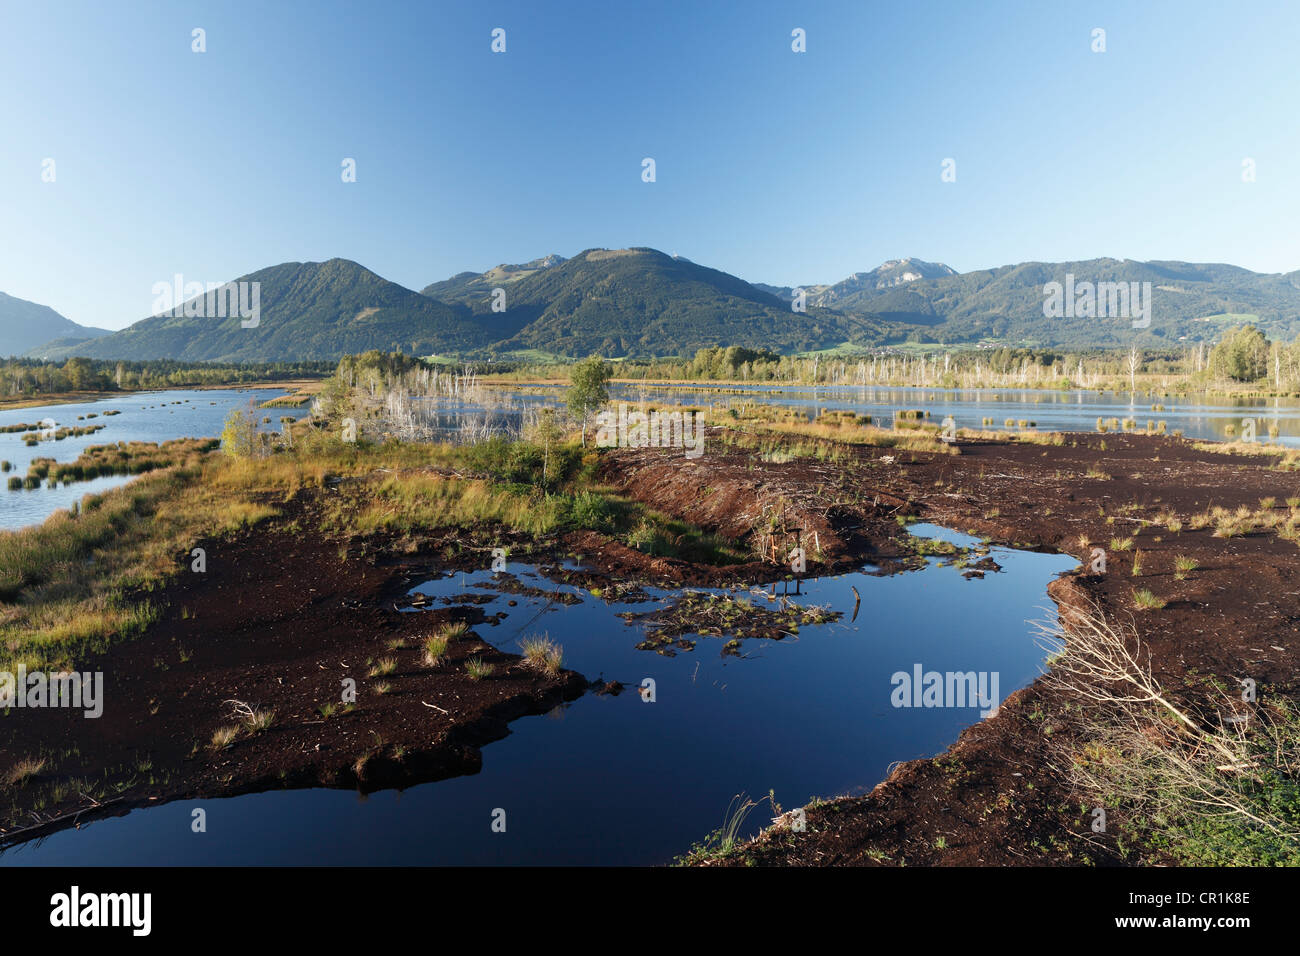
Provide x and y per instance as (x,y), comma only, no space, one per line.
(616,779)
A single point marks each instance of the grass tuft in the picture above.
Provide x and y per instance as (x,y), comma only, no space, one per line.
(1147,601)
(477,669)
(543,654)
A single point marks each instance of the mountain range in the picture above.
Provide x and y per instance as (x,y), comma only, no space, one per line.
(642,302)
(25,325)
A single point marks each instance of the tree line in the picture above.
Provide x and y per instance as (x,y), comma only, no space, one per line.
(34,377)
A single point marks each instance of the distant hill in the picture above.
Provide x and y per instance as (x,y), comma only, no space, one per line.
(26,325)
(929,302)
(309,310)
(642,302)
(1190,301)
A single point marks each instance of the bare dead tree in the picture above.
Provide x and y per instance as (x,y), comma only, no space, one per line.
(1156,755)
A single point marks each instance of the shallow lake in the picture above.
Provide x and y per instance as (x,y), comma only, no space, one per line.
(143,416)
(1051,410)
(618,780)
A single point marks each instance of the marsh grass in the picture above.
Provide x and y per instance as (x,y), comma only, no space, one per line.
(1232,524)
(383,667)
(133,535)
(477,669)
(726,838)
(543,654)
(1170,521)
(1290,530)
(435,648)
(428,502)
(822,437)
(24,770)
(123,458)
(1148,601)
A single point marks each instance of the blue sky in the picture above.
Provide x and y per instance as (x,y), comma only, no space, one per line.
(779,167)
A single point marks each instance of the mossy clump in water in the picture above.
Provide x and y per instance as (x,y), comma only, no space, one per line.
(714,615)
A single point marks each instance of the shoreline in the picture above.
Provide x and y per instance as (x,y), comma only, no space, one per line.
(76,398)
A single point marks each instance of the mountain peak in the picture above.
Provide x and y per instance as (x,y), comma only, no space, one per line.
(887,275)
(511,272)
(897,271)
(545,262)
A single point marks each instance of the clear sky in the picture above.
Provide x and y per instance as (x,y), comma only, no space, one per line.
(781,167)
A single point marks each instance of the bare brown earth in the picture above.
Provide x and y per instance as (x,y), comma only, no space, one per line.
(282,616)
(278,621)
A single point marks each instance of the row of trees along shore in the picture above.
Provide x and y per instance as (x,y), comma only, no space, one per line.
(1243,359)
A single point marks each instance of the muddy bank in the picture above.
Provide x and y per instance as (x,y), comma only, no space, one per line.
(838,514)
(279,620)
